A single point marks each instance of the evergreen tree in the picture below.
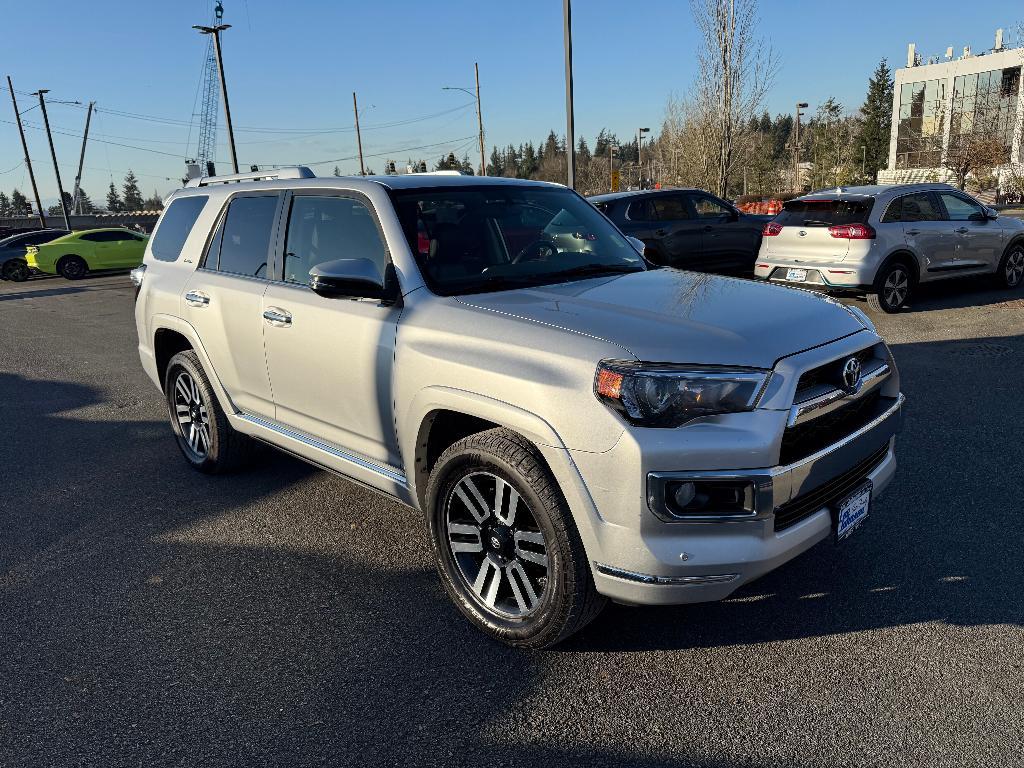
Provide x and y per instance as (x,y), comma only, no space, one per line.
(5,205)
(495,164)
(583,155)
(876,115)
(84,203)
(114,204)
(153,203)
(337,171)
(132,196)
(20,205)
(56,210)
(552,146)
(529,162)
(466,166)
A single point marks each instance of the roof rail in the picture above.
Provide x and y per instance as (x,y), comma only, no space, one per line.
(289,172)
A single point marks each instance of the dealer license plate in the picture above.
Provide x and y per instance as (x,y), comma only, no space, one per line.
(852,511)
(796,275)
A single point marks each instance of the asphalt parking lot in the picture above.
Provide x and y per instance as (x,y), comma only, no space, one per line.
(153,616)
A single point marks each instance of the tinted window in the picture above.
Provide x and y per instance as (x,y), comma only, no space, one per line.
(95,237)
(823,213)
(641,210)
(894,211)
(919,207)
(710,209)
(960,209)
(670,208)
(175,225)
(245,241)
(34,238)
(327,228)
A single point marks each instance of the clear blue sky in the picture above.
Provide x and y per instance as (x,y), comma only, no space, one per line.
(294,65)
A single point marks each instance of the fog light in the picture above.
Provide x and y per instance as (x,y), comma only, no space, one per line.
(707,498)
(684,494)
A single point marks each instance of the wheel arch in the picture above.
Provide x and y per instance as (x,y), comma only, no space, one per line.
(180,329)
(906,256)
(167,342)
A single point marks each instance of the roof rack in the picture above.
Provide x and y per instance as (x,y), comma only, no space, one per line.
(290,172)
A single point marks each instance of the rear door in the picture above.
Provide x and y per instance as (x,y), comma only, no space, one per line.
(223,299)
(979,239)
(926,231)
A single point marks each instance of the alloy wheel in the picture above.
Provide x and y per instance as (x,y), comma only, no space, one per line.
(499,549)
(896,287)
(1014,267)
(72,269)
(192,416)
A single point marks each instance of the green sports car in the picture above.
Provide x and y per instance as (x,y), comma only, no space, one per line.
(74,256)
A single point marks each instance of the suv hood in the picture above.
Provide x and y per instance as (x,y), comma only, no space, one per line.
(666,315)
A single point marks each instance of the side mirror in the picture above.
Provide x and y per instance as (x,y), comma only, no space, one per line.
(637,243)
(352,279)
(991,213)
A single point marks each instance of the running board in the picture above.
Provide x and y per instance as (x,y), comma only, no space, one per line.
(387,479)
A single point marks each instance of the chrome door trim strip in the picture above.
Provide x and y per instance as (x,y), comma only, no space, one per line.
(389,473)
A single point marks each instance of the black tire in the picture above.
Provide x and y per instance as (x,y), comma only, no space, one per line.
(1011,267)
(568,599)
(216,449)
(72,267)
(893,288)
(15,270)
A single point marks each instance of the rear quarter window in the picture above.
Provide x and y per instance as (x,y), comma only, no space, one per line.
(824,213)
(175,226)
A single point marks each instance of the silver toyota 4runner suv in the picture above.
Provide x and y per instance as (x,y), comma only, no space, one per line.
(884,240)
(573,424)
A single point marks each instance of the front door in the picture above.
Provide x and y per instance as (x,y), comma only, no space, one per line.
(728,244)
(223,301)
(927,232)
(331,359)
(979,239)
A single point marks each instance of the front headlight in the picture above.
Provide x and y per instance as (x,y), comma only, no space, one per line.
(667,395)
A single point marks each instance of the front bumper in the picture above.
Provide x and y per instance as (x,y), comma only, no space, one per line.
(658,563)
(840,275)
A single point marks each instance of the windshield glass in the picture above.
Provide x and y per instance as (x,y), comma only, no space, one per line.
(492,238)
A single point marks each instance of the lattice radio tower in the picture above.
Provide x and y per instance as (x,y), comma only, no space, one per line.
(207,150)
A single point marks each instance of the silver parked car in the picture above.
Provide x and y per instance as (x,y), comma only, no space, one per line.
(572,425)
(885,240)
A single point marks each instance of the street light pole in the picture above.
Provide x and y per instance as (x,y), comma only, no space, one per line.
(479,114)
(639,153)
(215,31)
(53,154)
(81,161)
(570,137)
(28,160)
(796,147)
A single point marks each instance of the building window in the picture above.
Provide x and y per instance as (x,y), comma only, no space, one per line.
(985,105)
(922,124)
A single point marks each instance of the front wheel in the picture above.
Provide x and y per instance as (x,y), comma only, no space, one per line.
(16,271)
(506,546)
(205,437)
(72,268)
(892,288)
(1011,268)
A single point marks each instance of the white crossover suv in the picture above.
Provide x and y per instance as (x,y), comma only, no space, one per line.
(572,424)
(884,240)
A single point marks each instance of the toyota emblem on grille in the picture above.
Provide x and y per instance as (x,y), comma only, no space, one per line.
(851,374)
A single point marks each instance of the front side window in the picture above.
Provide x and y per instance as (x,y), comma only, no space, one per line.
(96,237)
(327,228)
(177,222)
(244,239)
(491,238)
(670,208)
(919,207)
(960,209)
(710,209)
(641,210)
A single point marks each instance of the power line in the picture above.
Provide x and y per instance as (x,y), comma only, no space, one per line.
(392,151)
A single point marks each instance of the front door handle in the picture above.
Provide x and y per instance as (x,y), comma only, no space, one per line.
(913,231)
(278,318)
(197,299)
(961,230)
(661,232)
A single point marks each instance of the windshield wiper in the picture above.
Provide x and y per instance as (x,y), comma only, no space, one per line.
(585,270)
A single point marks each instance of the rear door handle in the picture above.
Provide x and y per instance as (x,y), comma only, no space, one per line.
(278,318)
(661,232)
(961,230)
(197,299)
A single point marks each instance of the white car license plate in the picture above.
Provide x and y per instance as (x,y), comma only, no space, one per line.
(852,511)
(796,275)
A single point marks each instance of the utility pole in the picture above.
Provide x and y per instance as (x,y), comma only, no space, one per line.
(28,161)
(612,149)
(215,31)
(81,161)
(480,120)
(359,136)
(639,155)
(796,147)
(570,136)
(53,154)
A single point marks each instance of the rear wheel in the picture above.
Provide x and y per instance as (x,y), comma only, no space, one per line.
(205,437)
(72,268)
(892,288)
(15,270)
(1011,268)
(507,549)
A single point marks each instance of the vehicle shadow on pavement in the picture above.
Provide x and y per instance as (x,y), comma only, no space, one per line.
(940,546)
(959,293)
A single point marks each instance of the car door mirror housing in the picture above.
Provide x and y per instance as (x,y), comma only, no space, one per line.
(991,213)
(352,279)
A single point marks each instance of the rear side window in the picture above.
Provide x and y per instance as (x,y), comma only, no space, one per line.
(245,236)
(824,213)
(178,220)
(641,210)
(671,208)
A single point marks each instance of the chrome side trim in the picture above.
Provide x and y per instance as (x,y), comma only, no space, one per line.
(389,473)
(646,578)
(834,398)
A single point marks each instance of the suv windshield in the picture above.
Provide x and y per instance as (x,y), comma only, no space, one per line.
(823,213)
(492,238)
